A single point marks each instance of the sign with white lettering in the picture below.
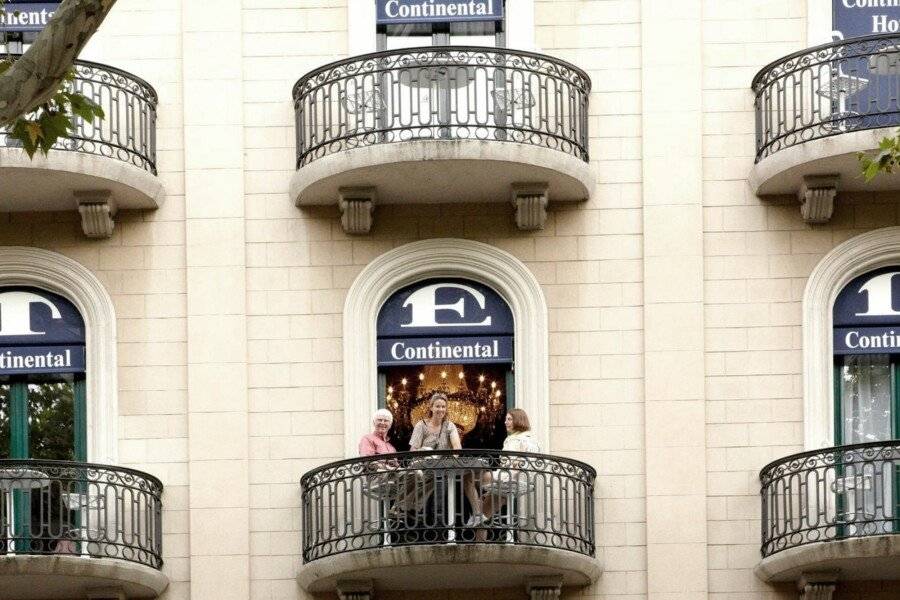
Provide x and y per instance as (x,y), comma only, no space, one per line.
(866,314)
(26,16)
(445,321)
(855,18)
(437,11)
(40,332)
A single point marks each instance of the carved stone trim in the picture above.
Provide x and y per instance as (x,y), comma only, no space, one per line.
(544,588)
(817,586)
(816,195)
(357,206)
(355,589)
(97,210)
(530,201)
(62,275)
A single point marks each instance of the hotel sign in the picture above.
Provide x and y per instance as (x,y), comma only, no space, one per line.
(40,332)
(26,16)
(867,314)
(430,11)
(855,18)
(445,321)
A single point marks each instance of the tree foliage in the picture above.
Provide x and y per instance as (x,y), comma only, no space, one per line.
(885,160)
(38,104)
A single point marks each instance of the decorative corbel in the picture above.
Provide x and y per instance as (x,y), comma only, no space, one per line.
(357,206)
(97,210)
(544,588)
(114,593)
(816,195)
(817,585)
(355,589)
(530,201)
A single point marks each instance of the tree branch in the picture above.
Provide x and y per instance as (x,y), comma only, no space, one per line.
(36,76)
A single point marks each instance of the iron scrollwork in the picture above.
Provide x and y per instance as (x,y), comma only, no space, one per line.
(442,93)
(827,90)
(830,494)
(128,130)
(418,498)
(81,509)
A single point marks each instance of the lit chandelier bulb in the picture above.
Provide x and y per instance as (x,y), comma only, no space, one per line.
(461,375)
(493,384)
(421,376)
(443,374)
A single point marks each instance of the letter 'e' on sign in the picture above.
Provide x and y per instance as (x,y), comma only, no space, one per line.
(437,11)
(441,321)
(866,314)
(40,332)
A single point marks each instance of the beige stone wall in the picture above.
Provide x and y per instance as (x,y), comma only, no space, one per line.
(290,270)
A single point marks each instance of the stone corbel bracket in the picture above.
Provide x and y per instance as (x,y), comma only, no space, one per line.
(97,210)
(530,201)
(357,205)
(544,588)
(355,589)
(816,196)
(817,585)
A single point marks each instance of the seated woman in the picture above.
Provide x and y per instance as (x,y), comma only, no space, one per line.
(518,439)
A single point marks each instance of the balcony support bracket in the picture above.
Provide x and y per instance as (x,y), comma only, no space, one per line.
(97,210)
(816,195)
(530,201)
(357,206)
(355,589)
(544,588)
(106,594)
(817,585)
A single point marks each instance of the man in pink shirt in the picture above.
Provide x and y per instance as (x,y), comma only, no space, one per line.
(377,442)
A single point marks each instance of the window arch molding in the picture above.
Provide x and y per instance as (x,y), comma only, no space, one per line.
(428,259)
(59,274)
(843,263)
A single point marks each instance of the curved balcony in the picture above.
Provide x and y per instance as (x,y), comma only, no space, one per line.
(833,510)
(442,124)
(68,528)
(817,108)
(403,521)
(111,160)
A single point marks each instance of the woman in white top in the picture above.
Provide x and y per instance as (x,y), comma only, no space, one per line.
(518,439)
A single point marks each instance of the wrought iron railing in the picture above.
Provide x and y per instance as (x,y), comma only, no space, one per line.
(827,90)
(416,498)
(128,130)
(830,494)
(81,509)
(438,93)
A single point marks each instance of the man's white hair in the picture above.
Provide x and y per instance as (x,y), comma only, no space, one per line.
(383,412)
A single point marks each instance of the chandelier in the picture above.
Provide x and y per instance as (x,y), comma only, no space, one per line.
(465,407)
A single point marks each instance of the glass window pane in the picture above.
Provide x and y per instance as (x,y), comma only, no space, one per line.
(51,418)
(866,398)
(4,421)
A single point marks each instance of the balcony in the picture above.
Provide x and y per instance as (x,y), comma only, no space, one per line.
(815,111)
(69,529)
(442,124)
(402,522)
(832,512)
(103,166)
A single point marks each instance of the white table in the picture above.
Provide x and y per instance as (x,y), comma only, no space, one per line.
(444,467)
(12,480)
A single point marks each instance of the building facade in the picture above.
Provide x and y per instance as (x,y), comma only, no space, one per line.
(640,221)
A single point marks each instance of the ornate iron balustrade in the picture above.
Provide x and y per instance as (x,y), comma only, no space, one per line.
(416,498)
(81,509)
(827,90)
(437,93)
(128,130)
(830,494)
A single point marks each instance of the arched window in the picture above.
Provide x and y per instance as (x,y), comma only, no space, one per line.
(445,260)
(42,368)
(453,336)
